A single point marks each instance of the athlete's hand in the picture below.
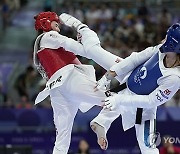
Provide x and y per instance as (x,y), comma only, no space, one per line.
(110,103)
(103,84)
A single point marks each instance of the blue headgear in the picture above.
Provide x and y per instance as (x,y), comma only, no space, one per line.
(172,43)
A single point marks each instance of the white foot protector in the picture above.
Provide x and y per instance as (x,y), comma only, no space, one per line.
(71,21)
(101,135)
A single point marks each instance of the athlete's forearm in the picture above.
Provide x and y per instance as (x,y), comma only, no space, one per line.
(159,96)
(131,62)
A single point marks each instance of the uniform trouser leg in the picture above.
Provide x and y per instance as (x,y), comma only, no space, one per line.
(144,133)
(95,52)
(64,113)
(105,118)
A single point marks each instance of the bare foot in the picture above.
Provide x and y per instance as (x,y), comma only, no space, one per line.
(102,143)
(101,135)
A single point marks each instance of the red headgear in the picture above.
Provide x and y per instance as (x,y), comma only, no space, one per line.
(44,19)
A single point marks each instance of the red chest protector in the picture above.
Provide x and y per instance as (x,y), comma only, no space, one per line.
(54,59)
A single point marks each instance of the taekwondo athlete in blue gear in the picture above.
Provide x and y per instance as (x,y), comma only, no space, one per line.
(151,80)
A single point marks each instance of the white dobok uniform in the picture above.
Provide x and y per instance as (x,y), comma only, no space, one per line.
(149,84)
(70,84)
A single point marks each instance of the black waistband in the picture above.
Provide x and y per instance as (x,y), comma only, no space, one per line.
(119,88)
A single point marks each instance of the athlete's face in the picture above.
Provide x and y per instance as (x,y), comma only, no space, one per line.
(55,26)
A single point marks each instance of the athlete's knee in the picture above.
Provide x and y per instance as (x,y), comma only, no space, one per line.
(89,38)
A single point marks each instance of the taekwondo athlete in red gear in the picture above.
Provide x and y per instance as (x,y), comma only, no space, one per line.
(70,84)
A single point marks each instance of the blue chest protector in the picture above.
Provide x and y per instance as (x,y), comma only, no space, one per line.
(143,79)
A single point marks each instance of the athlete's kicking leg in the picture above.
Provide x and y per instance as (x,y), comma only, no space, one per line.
(91,43)
(101,135)
(101,124)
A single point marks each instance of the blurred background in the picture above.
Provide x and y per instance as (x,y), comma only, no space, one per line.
(123,26)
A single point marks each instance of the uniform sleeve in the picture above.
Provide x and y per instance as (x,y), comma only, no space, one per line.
(131,62)
(166,90)
(54,40)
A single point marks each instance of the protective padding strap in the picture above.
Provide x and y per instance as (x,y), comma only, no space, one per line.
(147,132)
